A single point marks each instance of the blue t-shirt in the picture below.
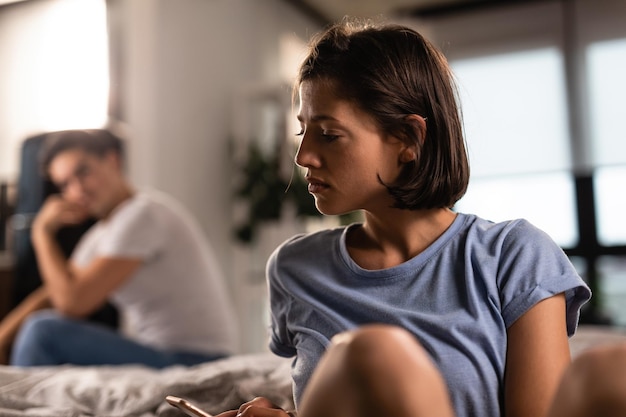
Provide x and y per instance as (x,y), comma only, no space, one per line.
(458,297)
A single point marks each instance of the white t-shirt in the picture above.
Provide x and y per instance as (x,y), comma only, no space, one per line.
(177,300)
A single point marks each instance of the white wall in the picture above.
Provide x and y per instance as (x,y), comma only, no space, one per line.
(183,63)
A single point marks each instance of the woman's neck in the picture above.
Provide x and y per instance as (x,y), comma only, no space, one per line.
(384,242)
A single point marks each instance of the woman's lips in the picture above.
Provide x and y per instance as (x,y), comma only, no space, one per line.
(316,186)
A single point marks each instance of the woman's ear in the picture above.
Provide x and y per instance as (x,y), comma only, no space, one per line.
(409,152)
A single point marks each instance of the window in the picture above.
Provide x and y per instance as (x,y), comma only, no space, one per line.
(612,288)
(545,200)
(514,112)
(552,155)
(516,129)
(610,189)
(607,92)
(54,72)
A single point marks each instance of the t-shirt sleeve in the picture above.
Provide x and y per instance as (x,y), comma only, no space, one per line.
(280,340)
(135,233)
(532,268)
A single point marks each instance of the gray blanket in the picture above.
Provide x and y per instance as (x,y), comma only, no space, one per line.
(112,391)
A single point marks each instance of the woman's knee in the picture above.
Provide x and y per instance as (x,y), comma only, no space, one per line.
(387,368)
(595,383)
(381,345)
(601,369)
(599,361)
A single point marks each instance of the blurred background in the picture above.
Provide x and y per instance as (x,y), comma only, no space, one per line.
(201,90)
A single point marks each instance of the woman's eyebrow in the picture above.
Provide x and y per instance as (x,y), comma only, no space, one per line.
(319,117)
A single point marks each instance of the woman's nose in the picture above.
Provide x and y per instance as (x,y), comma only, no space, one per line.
(306,156)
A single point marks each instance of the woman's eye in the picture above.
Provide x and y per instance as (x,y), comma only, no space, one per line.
(327,136)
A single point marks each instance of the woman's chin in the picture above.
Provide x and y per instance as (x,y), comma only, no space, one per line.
(327,210)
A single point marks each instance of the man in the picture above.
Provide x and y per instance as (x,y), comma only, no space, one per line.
(145,254)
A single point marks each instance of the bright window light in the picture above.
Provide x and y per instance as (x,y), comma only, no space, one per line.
(54,73)
(607,67)
(72,82)
(609,186)
(515,118)
(545,200)
(514,112)
(607,89)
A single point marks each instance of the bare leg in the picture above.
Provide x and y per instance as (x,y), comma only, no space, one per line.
(594,385)
(376,370)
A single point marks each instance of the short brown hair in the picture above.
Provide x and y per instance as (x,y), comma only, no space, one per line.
(391,72)
(97,142)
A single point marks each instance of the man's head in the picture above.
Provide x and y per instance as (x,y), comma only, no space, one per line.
(95,142)
(86,166)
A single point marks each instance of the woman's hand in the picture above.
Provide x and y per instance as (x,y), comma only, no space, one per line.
(258,407)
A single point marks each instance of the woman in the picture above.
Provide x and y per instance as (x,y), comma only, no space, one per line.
(430,312)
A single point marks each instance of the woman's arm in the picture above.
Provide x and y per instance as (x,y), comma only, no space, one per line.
(537,355)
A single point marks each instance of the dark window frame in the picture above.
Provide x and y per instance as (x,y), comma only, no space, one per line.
(589,247)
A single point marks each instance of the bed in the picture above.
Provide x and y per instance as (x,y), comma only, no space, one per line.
(138,391)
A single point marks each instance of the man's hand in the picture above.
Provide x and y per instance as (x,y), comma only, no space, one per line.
(258,407)
(57,213)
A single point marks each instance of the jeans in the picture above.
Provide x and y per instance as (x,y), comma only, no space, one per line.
(47,338)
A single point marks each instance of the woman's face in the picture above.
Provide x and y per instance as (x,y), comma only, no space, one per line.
(344,152)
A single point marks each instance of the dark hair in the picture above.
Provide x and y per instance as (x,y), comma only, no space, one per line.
(391,72)
(97,142)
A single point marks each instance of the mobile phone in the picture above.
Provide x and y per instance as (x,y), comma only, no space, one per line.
(186,406)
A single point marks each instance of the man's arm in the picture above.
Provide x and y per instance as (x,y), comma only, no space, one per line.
(74,291)
(12,322)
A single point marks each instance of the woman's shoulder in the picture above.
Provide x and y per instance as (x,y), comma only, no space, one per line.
(487,226)
(307,241)
(517,231)
(306,251)
(306,247)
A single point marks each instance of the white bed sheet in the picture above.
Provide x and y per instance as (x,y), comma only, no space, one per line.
(112,391)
